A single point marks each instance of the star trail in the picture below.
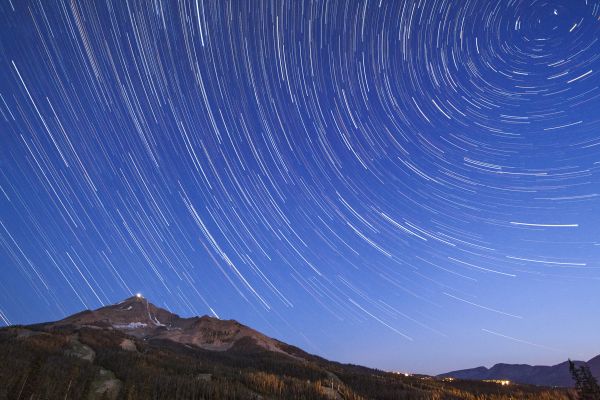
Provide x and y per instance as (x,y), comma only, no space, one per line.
(379,182)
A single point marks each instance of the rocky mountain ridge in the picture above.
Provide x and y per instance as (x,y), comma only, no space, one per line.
(138,317)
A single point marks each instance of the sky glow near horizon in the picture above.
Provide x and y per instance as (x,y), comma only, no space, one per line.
(410,185)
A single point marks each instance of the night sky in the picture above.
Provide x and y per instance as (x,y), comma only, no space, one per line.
(410,185)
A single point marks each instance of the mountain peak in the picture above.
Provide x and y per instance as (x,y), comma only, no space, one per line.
(138,317)
(136,297)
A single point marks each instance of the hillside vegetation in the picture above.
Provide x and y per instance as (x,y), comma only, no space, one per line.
(90,363)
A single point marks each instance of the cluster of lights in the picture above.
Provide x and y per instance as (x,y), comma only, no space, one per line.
(498,381)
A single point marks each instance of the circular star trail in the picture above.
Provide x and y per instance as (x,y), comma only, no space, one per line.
(414,172)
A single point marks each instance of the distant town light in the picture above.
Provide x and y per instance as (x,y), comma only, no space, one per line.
(498,381)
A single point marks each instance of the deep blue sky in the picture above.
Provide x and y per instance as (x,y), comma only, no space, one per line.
(407,185)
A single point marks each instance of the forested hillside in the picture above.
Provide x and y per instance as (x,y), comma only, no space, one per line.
(80,362)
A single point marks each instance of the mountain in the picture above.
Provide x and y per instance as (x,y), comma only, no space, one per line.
(134,350)
(556,375)
(138,317)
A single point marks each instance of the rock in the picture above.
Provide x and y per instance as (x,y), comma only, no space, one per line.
(105,386)
(128,345)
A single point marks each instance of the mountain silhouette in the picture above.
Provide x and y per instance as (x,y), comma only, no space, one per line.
(555,375)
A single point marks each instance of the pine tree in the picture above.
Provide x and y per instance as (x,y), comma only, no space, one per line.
(585,383)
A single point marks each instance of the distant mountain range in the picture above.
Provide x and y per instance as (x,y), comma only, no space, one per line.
(134,350)
(555,375)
